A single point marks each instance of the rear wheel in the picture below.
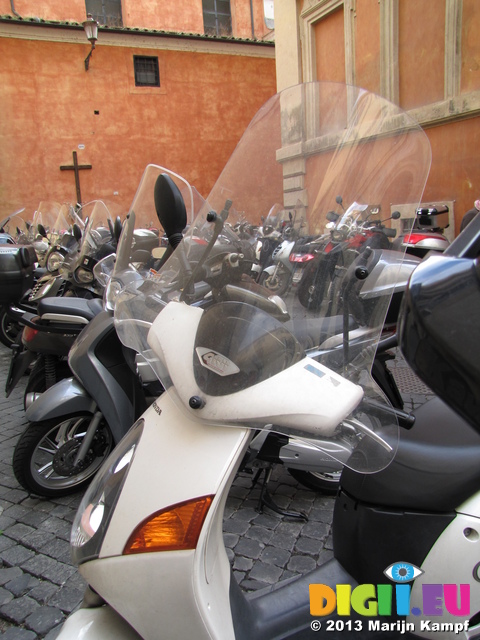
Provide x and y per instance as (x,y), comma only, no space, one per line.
(327,483)
(44,458)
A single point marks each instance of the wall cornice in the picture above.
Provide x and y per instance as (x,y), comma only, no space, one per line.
(135,38)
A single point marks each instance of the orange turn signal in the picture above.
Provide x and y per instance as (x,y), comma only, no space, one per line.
(175,528)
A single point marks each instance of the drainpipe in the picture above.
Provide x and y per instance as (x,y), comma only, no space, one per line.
(251,19)
(13,9)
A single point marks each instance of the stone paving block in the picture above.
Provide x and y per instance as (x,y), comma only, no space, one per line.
(10,573)
(236,526)
(273,555)
(230,540)
(18,531)
(58,549)
(38,539)
(76,582)
(263,572)
(269,521)
(44,619)
(16,555)
(49,569)
(283,541)
(57,526)
(311,546)
(242,564)
(262,534)
(5,596)
(67,599)
(15,633)
(43,591)
(19,609)
(301,564)
(21,585)
(249,548)
(317,530)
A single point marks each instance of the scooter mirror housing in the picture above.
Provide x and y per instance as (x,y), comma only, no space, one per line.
(42,231)
(170,208)
(77,232)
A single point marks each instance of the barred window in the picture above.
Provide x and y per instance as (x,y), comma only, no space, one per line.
(105,12)
(217,17)
(146,71)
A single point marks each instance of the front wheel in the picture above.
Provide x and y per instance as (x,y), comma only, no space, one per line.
(9,329)
(44,458)
(277,282)
(327,483)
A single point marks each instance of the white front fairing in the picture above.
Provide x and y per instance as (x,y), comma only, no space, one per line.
(454,559)
(189,588)
(306,395)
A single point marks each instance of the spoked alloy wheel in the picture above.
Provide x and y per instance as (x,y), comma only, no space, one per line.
(44,458)
(327,483)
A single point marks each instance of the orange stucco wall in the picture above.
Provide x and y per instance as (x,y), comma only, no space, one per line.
(330,47)
(52,107)
(367,46)
(421,52)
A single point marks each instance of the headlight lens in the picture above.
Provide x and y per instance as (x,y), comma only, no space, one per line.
(84,276)
(55,261)
(113,289)
(100,499)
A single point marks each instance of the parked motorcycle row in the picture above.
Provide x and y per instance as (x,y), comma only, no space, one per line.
(190,367)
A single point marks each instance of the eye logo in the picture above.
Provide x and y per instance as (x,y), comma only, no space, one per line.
(402,572)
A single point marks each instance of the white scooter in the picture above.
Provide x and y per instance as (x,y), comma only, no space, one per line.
(148,533)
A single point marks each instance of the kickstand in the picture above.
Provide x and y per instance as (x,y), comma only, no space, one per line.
(266,500)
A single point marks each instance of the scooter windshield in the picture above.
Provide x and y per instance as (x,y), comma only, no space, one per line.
(97,241)
(229,352)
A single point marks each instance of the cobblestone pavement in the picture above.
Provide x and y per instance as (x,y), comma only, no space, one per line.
(39,586)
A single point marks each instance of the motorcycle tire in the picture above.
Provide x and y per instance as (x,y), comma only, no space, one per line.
(44,455)
(278,284)
(326,483)
(310,290)
(37,382)
(9,329)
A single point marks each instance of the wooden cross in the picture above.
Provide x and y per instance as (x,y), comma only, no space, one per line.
(76,168)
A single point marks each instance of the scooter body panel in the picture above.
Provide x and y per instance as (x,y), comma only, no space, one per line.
(99,623)
(453,559)
(97,360)
(65,398)
(190,588)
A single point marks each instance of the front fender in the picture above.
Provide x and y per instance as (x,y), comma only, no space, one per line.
(270,269)
(66,397)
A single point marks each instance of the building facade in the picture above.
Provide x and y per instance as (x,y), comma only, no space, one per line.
(167,83)
(423,55)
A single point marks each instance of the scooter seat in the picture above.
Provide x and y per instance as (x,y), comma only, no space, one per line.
(81,307)
(436,466)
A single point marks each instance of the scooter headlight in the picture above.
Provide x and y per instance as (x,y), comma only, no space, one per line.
(55,261)
(83,276)
(98,503)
